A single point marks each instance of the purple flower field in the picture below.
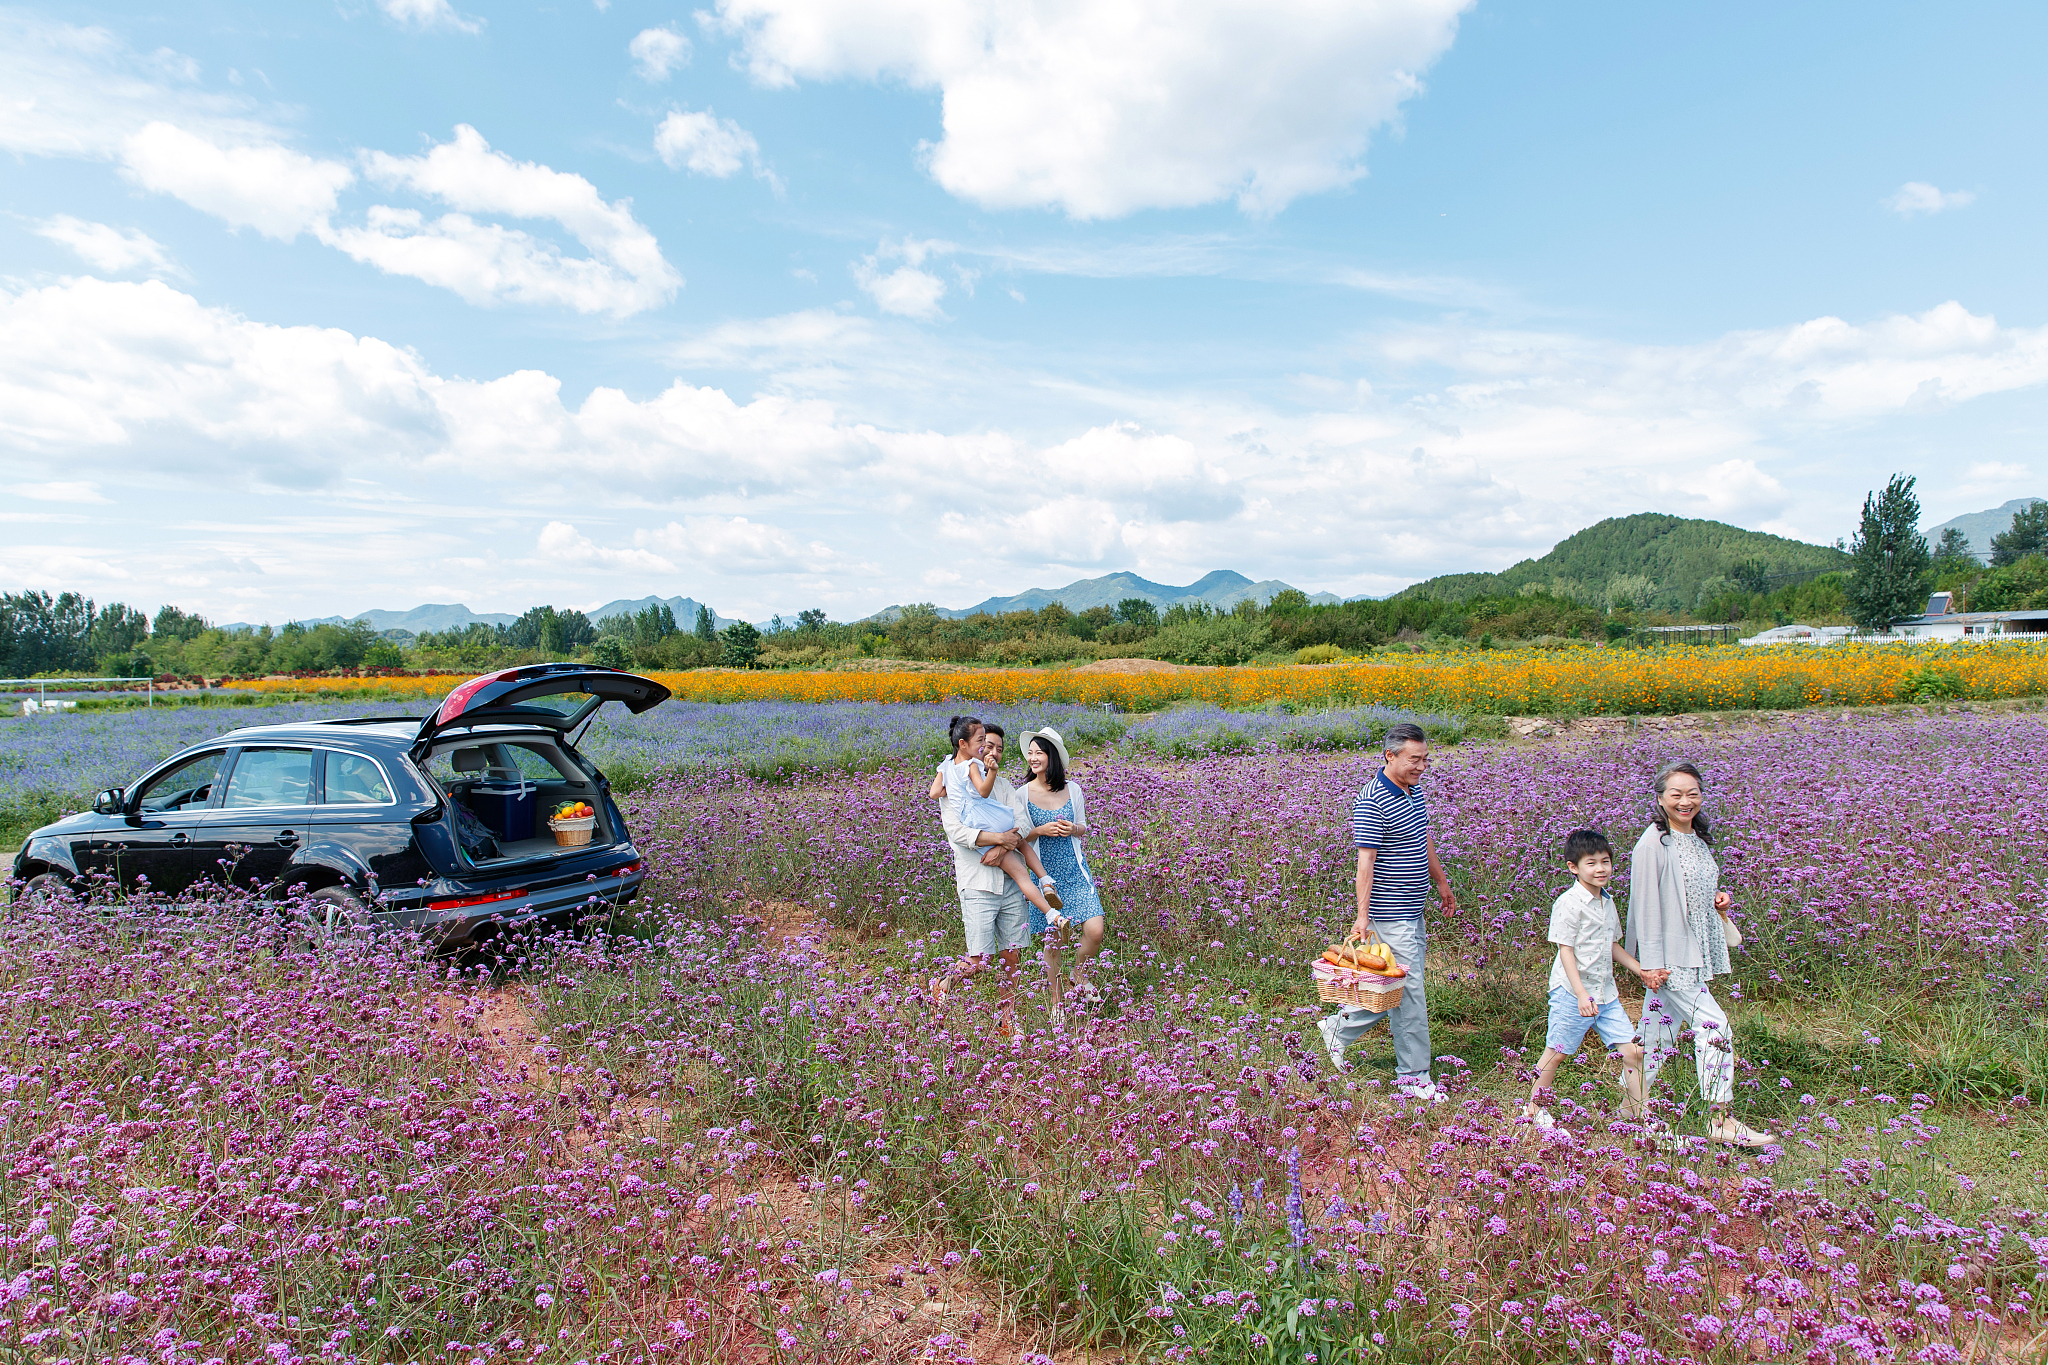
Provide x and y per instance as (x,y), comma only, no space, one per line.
(740,1133)
(60,761)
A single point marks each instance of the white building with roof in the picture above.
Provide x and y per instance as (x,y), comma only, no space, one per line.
(1942,624)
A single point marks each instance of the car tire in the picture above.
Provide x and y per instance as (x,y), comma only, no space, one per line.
(43,890)
(312,923)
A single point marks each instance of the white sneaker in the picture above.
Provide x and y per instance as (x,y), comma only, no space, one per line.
(1418,1088)
(1059,1018)
(1539,1116)
(1331,1046)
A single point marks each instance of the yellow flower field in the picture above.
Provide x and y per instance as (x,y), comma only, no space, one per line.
(1496,682)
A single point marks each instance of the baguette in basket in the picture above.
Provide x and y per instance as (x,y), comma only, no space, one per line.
(1372,955)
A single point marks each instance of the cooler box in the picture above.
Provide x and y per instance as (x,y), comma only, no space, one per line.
(506,808)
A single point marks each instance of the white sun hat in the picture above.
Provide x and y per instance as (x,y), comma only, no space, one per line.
(1051,737)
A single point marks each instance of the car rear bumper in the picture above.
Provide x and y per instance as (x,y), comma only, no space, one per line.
(455,915)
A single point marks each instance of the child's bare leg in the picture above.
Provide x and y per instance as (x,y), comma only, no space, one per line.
(1633,1106)
(1056,989)
(1021,875)
(1546,1073)
(1031,859)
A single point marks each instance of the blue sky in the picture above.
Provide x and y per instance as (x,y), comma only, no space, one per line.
(784,303)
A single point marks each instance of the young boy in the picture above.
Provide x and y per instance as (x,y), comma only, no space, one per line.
(1587,932)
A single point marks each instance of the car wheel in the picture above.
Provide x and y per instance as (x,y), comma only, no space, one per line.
(316,920)
(44,890)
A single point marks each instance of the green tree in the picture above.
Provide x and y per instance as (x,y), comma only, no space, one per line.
(1890,567)
(742,644)
(812,620)
(611,653)
(1751,575)
(707,624)
(1953,554)
(179,625)
(2028,535)
(1136,611)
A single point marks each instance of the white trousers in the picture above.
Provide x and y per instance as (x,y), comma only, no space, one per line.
(1684,1002)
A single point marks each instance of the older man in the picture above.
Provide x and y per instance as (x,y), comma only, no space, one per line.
(1397,865)
(992,912)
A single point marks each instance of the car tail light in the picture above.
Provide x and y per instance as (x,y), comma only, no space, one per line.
(461,902)
(630,868)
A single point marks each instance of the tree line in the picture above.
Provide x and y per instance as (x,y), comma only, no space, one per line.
(1892,571)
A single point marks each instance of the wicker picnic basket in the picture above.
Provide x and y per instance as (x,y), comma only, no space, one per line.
(1349,986)
(573,831)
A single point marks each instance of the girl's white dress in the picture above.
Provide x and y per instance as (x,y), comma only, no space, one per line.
(976,811)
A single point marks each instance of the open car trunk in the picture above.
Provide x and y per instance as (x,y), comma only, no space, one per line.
(501,777)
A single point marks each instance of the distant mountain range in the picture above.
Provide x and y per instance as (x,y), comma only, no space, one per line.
(1222,589)
(455,616)
(1981,526)
(1663,560)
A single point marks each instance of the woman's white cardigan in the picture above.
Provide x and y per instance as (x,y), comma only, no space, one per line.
(1659,934)
(1021,804)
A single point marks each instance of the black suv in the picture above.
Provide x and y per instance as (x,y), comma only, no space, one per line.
(438,825)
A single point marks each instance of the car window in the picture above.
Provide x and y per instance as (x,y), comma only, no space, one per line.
(270,777)
(353,780)
(496,762)
(186,786)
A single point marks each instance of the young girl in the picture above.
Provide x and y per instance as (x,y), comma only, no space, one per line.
(968,782)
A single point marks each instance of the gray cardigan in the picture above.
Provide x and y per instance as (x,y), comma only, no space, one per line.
(1659,934)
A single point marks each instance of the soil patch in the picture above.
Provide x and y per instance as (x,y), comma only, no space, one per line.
(1140,666)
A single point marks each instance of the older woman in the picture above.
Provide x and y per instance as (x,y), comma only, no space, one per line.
(1677,924)
(1057,817)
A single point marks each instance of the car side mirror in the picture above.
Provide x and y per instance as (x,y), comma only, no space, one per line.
(109,802)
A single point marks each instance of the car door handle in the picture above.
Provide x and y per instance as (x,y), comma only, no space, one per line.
(287,839)
(180,839)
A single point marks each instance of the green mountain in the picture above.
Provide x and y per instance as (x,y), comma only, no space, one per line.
(1981,526)
(1647,560)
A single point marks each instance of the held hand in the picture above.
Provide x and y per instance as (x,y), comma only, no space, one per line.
(992,856)
(1722,901)
(1362,927)
(1587,1009)
(1652,977)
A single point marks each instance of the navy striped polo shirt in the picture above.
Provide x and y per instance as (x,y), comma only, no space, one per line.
(1397,824)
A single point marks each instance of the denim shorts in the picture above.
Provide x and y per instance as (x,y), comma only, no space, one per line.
(1568,1027)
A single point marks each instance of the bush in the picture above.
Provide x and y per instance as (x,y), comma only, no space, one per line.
(1318,654)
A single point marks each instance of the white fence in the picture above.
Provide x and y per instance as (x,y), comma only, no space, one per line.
(41,701)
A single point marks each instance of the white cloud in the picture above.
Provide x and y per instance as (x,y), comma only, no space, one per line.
(1470,449)
(738,545)
(1919,197)
(58,492)
(705,143)
(905,291)
(1101,110)
(425,15)
(484,263)
(561,543)
(658,51)
(107,248)
(279,192)
(70,91)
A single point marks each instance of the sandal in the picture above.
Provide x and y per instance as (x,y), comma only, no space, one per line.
(1084,990)
(1050,890)
(1734,1133)
(937,987)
